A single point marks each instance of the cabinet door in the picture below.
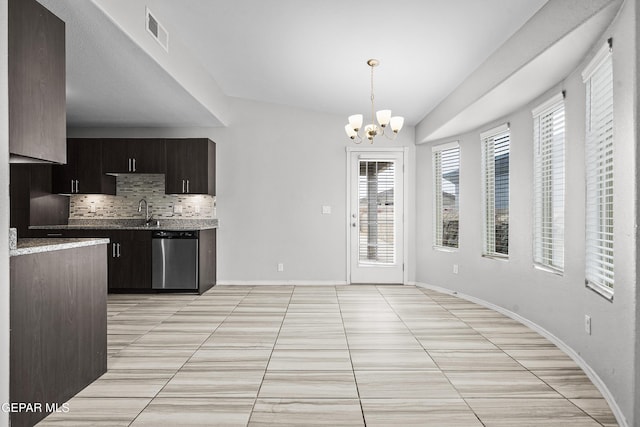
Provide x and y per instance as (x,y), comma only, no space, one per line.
(37,82)
(115,156)
(190,167)
(148,155)
(133,155)
(130,260)
(83,172)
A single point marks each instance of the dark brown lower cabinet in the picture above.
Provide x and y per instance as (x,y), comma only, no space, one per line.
(129,260)
(206,260)
(58,320)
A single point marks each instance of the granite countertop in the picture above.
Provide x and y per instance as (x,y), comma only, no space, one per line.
(33,246)
(167,225)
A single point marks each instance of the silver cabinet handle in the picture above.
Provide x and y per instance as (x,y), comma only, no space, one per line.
(130,165)
(183,185)
(187,186)
(134,164)
(71,186)
(118,250)
(113,250)
(77,182)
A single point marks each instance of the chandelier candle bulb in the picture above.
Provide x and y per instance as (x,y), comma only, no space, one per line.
(384,118)
(396,123)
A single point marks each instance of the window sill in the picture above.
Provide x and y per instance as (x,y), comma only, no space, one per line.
(444,249)
(604,292)
(496,257)
(548,269)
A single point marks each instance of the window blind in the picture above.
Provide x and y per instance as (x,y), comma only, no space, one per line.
(446,177)
(599,174)
(495,185)
(376,193)
(548,137)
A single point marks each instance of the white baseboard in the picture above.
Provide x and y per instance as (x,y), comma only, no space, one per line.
(280,282)
(593,376)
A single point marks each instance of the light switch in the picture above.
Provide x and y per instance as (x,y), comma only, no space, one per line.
(326,210)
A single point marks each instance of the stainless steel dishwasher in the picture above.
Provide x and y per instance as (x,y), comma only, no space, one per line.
(174,263)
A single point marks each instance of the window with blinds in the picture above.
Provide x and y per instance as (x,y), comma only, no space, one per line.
(376,194)
(446,192)
(495,186)
(548,184)
(598,77)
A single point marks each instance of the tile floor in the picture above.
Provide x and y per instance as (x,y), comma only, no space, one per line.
(345,355)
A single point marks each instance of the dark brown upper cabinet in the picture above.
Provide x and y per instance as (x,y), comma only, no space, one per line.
(37,81)
(191,166)
(133,155)
(83,173)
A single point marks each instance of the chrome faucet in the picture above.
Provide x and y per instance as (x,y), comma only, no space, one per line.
(147,217)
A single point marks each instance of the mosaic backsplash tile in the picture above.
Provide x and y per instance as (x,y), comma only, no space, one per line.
(130,188)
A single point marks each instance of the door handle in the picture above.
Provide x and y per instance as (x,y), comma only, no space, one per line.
(113,250)
(77,191)
(118,250)
(187,186)
(134,164)
(71,186)
(183,185)
(129,164)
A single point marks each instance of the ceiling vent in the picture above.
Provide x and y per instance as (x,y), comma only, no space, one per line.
(157,31)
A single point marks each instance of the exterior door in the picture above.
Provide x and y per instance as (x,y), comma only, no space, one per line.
(376,217)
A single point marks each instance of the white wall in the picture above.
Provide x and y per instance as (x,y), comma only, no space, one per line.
(276,167)
(4,215)
(556,303)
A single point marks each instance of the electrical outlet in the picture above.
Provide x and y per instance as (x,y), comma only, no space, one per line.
(177,209)
(280,267)
(587,324)
(326,210)
(197,209)
(92,208)
(455,268)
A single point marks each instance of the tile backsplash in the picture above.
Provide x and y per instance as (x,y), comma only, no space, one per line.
(130,188)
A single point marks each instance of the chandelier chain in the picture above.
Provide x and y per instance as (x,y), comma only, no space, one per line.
(372,99)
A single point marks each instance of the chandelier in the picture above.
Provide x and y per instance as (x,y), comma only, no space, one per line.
(384,119)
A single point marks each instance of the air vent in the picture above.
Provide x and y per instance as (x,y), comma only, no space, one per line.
(157,31)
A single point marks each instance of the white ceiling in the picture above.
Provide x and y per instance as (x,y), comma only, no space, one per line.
(301,53)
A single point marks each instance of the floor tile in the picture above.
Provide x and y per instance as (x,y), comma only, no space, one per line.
(483,360)
(97,412)
(221,359)
(307,412)
(404,384)
(128,383)
(171,412)
(597,408)
(572,383)
(419,412)
(307,384)
(377,341)
(546,358)
(529,412)
(204,384)
(390,359)
(500,384)
(310,360)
